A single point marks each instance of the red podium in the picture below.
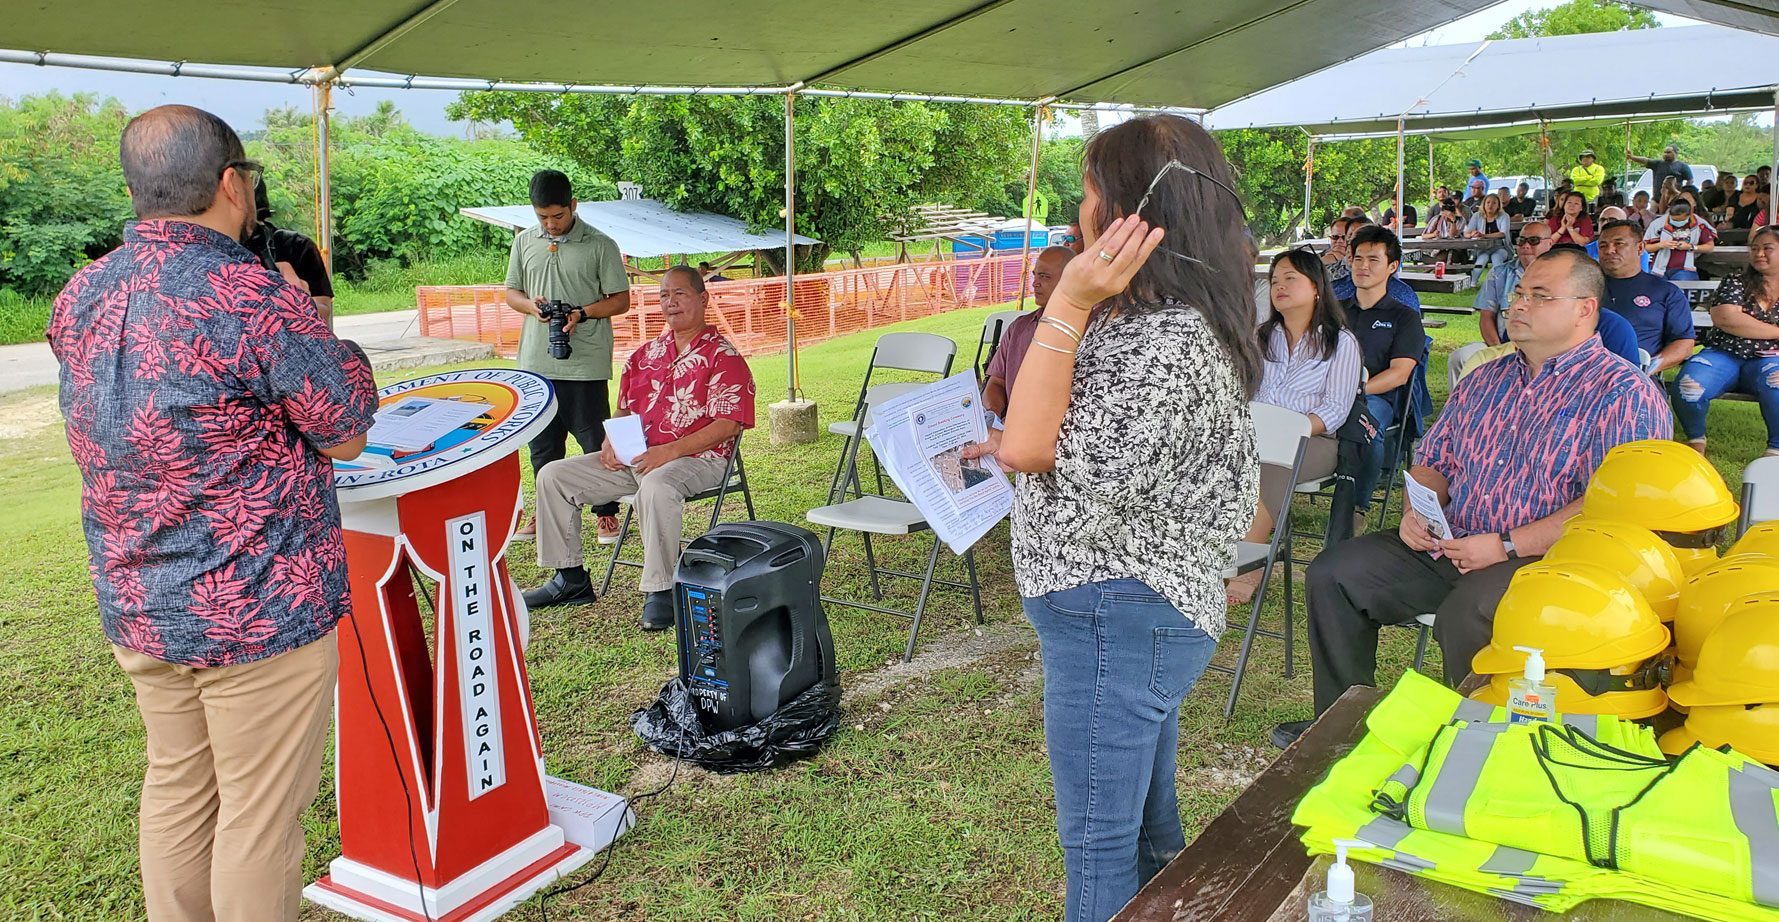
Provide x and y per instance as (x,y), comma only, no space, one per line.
(439,767)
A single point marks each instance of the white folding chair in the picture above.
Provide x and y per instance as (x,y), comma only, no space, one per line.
(1281,437)
(993,326)
(1760,493)
(1425,623)
(927,353)
(879,515)
(1644,360)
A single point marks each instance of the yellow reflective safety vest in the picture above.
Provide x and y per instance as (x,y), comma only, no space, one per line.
(1401,732)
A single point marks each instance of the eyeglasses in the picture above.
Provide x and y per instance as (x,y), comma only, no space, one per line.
(1526,241)
(1149,192)
(253,169)
(1334,237)
(1538,300)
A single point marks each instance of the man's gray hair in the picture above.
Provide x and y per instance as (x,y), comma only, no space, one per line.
(172,158)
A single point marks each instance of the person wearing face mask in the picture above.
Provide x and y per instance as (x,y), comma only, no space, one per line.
(206,402)
(1676,239)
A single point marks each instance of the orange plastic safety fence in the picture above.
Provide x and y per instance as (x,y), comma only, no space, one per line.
(751,312)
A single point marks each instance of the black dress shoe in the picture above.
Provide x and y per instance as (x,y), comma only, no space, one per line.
(561,591)
(1287,733)
(657,611)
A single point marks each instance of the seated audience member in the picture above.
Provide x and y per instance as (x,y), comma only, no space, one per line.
(1712,202)
(695,394)
(1071,238)
(1765,174)
(1522,204)
(1343,282)
(1609,194)
(711,274)
(1639,212)
(1334,259)
(1504,195)
(1411,217)
(1496,294)
(1741,348)
(1492,226)
(1741,207)
(1509,457)
(1352,211)
(1615,332)
(1441,192)
(1571,224)
(1446,222)
(1473,197)
(1016,338)
(1564,187)
(1312,366)
(1606,216)
(1675,240)
(1657,310)
(1391,342)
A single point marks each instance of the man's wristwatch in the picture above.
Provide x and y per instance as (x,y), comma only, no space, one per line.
(1507,545)
(583,314)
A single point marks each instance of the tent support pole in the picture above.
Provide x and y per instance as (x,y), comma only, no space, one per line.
(1401,125)
(790,239)
(1429,216)
(1309,184)
(1031,201)
(1544,149)
(324,195)
(1772,212)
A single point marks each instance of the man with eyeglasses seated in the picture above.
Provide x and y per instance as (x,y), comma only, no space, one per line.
(1509,457)
(1616,331)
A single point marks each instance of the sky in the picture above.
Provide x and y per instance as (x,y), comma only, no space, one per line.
(241,103)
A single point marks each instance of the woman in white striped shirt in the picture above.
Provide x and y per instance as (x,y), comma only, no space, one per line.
(1312,366)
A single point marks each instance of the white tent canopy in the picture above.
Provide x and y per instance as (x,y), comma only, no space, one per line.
(644,228)
(1513,84)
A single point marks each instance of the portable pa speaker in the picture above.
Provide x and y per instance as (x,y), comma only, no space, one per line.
(752,633)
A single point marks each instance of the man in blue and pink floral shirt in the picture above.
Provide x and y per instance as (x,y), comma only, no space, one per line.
(204,399)
(1509,458)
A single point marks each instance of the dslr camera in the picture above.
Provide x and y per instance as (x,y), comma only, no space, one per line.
(557,313)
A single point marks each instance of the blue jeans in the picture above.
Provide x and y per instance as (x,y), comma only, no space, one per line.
(1682,275)
(1710,374)
(1383,409)
(1117,660)
(1485,259)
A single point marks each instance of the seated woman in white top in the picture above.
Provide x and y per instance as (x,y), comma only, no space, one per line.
(1312,366)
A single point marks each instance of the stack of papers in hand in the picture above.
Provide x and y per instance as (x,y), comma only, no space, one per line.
(919,439)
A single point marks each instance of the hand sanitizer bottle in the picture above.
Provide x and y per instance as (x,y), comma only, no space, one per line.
(1339,903)
(1529,699)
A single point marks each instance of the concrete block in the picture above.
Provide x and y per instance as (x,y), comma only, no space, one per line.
(793,422)
(423,351)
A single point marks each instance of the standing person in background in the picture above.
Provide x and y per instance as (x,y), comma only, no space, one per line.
(1587,175)
(205,403)
(291,255)
(1675,240)
(1474,168)
(1660,168)
(1571,223)
(1003,368)
(1130,429)
(561,259)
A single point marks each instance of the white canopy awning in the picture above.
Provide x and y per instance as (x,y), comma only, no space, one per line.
(1606,77)
(644,228)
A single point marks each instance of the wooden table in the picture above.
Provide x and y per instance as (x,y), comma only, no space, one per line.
(1452,283)
(1722,260)
(1248,865)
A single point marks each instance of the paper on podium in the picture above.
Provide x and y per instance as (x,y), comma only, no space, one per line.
(1425,503)
(627,438)
(414,423)
(918,438)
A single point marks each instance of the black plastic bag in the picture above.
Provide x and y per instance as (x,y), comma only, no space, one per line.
(671,726)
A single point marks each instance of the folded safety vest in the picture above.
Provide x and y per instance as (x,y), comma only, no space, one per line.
(1403,753)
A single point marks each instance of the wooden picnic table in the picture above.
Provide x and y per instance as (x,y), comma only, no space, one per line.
(1723,260)
(1249,866)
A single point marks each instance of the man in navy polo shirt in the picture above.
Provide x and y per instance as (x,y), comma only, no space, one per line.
(1656,307)
(1391,342)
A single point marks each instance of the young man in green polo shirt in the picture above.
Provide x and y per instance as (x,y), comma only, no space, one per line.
(562,259)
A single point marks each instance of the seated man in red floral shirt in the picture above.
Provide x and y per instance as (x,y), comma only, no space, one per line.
(695,394)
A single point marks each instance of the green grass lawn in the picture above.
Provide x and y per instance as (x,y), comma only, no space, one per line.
(933,802)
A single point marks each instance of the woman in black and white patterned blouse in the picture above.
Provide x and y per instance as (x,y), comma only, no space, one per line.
(1130,428)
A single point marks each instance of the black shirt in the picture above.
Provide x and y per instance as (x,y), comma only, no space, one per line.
(1519,207)
(304,256)
(1662,169)
(1388,330)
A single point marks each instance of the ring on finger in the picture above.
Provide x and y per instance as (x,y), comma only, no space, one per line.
(1105,256)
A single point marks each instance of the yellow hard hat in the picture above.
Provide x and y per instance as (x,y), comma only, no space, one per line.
(1573,699)
(1759,539)
(1706,597)
(1631,551)
(1582,615)
(1739,663)
(1661,485)
(1694,559)
(1751,731)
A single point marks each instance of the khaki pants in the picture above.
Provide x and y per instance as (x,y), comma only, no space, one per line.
(234,759)
(563,487)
